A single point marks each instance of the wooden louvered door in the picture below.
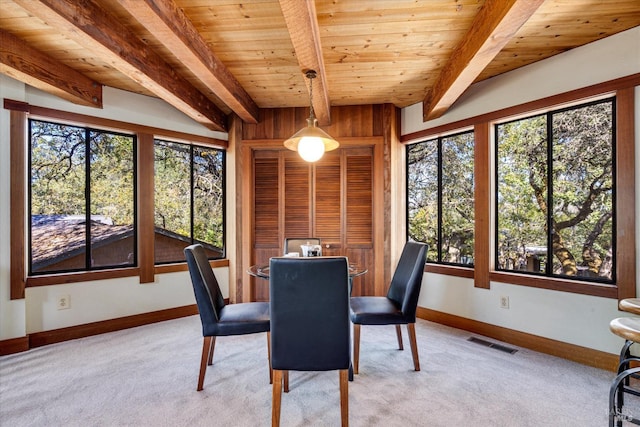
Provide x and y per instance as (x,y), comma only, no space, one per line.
(331,199)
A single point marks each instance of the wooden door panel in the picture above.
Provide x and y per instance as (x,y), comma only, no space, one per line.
(297,197)
(327,203)
(331,199)
(266,208)
(359,206)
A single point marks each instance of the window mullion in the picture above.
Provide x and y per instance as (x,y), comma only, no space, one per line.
(87,197)
(440,198)
(191,195)
(550,224)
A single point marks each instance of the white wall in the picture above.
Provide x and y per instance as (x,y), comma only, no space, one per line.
(578,319)
(103,299)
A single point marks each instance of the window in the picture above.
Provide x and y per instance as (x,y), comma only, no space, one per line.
(440,195)
(189,200)
(81,198)
(555,193)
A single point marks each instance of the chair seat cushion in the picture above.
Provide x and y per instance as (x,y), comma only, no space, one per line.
(239,319)
(376,311)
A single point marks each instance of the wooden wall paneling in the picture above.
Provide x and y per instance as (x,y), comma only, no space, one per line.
(356,127)
(244,214)
(381,219)
(387,234)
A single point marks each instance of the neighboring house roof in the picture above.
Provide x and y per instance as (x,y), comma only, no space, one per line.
(56,238)
(59,237)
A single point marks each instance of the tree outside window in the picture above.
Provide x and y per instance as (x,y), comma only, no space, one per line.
(81,198)
(555,192)
(440,191)
(189,200)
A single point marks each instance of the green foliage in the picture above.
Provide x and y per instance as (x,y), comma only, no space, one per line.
(57,169)
(58,172)
(454,194)
(175,164)
(581,183)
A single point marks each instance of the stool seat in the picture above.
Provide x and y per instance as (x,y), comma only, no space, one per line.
(629,329)
(626,327)
(631,305)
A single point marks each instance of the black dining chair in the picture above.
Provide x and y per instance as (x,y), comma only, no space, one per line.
(293,244)
(398,307)
(310,328)
(218,318)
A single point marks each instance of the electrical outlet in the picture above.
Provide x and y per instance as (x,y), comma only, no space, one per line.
(504,302)
(64,302)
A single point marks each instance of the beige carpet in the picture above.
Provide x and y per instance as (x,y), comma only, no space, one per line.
(147,376)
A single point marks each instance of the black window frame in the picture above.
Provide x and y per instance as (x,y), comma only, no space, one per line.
(192,147)
(549,180)
(439,231)
(87,199)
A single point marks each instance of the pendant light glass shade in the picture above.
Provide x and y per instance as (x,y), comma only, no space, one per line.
(311,142)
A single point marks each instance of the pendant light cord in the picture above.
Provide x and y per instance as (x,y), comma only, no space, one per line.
(311,74)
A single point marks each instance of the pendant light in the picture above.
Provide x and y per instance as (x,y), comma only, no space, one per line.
(311,142)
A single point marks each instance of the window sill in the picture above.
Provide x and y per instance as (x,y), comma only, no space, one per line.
(89,276)
(182,266)
(556,284)
(450,270)
(81,276)
(551,283)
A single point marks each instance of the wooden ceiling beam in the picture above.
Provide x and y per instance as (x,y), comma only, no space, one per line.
(302,23)
(494,25)
(176,32)
(93,27)
(24,63)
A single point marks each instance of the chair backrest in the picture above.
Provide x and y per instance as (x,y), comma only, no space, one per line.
(407,279)
(293,244)
(309,305)
(205,286)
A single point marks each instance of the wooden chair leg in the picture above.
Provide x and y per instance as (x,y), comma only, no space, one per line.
(276,398)
(269,356)
(411,328)
(399,335)
(206,350)
(285,375)
(356,347)
(213,347)
(344,397)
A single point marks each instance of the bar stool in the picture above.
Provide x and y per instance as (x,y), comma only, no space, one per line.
(629,329)
(630,305)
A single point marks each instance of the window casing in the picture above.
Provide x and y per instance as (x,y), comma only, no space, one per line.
(82,196)
(484,273)
(555,193)
(141,197)
(440,197)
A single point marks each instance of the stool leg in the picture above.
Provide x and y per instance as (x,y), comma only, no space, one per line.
(615,397)
(625,353)
(626,350)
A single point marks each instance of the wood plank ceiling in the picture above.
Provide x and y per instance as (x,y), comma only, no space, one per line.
(209,58)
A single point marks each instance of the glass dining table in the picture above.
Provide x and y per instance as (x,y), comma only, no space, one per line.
(262,271)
